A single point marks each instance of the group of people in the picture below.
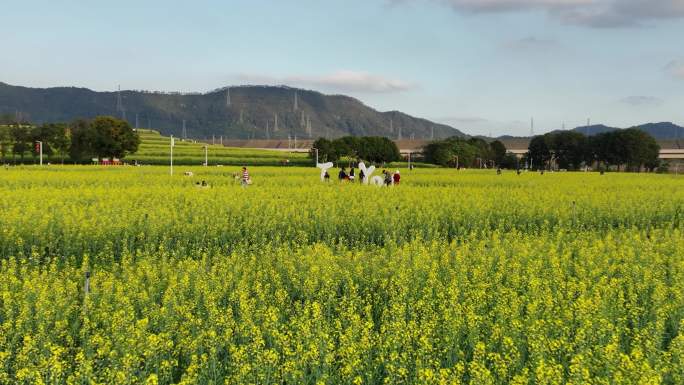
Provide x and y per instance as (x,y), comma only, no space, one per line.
(388,178)
(391,178)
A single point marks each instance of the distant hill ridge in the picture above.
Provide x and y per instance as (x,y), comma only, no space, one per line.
(663,130)
(241,112)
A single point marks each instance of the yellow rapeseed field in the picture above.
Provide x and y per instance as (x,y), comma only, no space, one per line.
(452,277)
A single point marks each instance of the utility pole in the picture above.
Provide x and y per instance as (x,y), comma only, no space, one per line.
(136,120)
(588,124)
(39,145)
(531,127)
(185,133)
(119,103)
(173,143)
(228,97)
(315,149)
(206,157)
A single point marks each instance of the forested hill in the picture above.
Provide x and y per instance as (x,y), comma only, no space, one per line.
(664,130)
(242,112)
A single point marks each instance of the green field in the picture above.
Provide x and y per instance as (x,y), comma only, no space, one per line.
(451,277)
(155,149)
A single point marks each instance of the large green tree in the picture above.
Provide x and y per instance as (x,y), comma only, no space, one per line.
(325,149)
(82,140)
(539,151)
(113,138)
(569,149)
(21,140)
(102,137)
(498,151)
(53,136)
(378,149)
(458,152)
(5,141)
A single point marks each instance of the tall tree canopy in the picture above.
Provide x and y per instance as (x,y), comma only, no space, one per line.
(632,148)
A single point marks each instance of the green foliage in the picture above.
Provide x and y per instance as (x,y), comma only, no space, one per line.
(102,137)
(378,149)
(20,135)
(539,150)
(499,151)
(113,137)
(55,138)
(569,149)
(326,151)
(82,139)
(457,152)
(632,148)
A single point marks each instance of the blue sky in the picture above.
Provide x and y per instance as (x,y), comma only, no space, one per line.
(479,65)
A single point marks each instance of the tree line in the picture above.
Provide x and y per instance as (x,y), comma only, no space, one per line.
(472,152)
(630,149)
(374,149)
(79,141)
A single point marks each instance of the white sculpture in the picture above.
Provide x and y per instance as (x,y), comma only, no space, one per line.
(324,168)
(367,172)
(378,181)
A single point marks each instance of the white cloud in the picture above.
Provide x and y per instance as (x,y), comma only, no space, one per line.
(339,81)
(591,13)
(646,101)
(676,68)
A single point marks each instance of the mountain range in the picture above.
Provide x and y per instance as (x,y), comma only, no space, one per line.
(242,112)
(663,130)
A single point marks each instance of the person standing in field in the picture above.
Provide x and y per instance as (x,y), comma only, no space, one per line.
(245,177)
(362,176)
(351,174)
(396,177)
(342,175)
(388,178)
